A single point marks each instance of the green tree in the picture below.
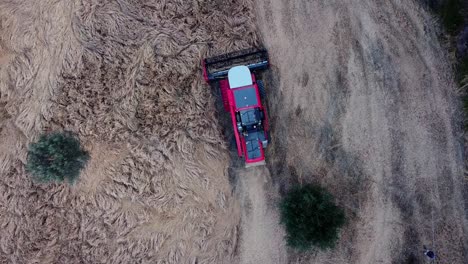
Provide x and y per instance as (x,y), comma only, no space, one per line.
(311,218)
(56,157)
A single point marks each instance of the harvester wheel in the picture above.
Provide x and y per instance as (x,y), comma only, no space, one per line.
(261,89)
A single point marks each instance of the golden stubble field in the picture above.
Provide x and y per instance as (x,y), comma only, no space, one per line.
(361,99)
(125,77)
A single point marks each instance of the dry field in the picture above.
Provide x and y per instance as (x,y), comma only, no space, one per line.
(361,99)
(125,77)
(365,104)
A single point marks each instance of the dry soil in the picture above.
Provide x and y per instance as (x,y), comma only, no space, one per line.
(363,102)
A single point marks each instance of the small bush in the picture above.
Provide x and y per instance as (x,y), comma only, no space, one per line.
(434,5)
(56,157)
(452,17)
(311,218)
(462,71)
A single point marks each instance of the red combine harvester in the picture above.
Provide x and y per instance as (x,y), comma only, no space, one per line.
(242,96)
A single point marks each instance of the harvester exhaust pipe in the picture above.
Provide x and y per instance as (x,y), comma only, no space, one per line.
(217,67)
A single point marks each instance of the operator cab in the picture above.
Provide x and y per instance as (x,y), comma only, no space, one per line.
(249,120)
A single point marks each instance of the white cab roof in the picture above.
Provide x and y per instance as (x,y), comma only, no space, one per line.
(239,76)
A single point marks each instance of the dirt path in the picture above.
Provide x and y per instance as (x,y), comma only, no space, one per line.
(262,239)
(362,101)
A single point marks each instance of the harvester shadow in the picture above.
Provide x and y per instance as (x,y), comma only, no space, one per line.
(225,125)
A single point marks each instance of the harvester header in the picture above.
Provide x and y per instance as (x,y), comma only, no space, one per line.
(216,68)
